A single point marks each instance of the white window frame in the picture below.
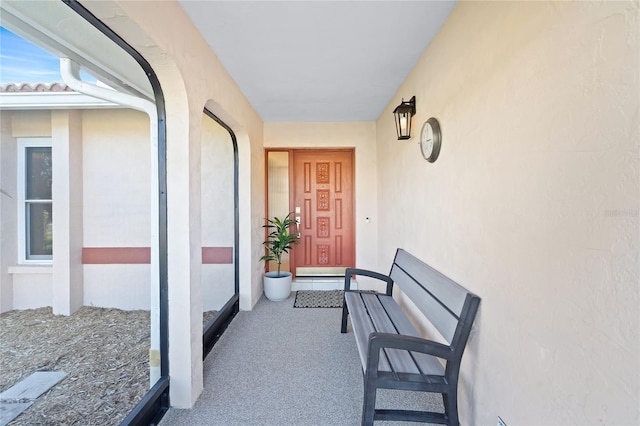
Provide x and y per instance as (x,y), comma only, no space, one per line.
(23,144)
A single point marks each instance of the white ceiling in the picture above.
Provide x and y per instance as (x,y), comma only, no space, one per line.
(318,60)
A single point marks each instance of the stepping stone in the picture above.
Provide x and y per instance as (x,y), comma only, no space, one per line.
(33,386)
(20,396)
(9,411)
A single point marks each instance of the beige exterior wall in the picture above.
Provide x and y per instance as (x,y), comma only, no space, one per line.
(20,288)
(116,175)
(101,199)
(359,135)
(31,290)
(8,211)
(30,124)
(116,212)
(107,205)
(533,203)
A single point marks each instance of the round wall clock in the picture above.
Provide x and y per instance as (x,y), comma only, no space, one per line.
(430,140)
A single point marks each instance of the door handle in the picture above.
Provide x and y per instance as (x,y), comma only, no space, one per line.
(297,226)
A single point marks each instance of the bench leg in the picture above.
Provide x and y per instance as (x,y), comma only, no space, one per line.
(451,408)
(345,314)
(369,404)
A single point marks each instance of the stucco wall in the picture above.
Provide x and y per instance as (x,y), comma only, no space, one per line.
(114,187)
(116,204)
(32,290)
(20,288)
(8,211)
(358,135)
(533,203)
(112,210)
(116,173)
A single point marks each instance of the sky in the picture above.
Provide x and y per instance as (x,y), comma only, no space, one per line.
(23,62)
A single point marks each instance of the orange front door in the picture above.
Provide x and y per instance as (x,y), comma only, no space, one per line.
(323,204)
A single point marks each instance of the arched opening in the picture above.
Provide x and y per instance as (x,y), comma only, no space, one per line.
(115,210)
(220,230)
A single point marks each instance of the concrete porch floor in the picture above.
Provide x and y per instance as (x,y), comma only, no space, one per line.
(279,365)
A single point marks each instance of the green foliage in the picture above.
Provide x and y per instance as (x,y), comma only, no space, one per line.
(279,239)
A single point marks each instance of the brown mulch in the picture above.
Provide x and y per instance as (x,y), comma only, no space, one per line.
(104,352)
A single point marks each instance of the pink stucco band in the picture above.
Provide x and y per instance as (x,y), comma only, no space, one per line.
(217,255)
(116,255)
(142,255)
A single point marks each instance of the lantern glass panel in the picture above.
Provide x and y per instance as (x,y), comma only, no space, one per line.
(402,115)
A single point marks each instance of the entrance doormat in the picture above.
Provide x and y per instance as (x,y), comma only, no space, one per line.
(319,299)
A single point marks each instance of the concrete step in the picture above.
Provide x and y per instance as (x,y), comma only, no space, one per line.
(320,283)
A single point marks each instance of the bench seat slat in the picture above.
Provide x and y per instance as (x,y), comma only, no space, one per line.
(428,364)
(399,319)
(400,360)
(362,327)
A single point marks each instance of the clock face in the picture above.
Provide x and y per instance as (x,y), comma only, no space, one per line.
(430,139)
(426,141)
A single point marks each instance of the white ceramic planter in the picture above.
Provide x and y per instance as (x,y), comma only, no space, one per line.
(277,288)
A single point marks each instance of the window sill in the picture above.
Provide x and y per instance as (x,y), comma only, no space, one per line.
(31,269)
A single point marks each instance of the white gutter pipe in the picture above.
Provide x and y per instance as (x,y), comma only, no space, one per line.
(70,72)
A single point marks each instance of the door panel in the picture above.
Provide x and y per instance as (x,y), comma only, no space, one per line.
(323,202)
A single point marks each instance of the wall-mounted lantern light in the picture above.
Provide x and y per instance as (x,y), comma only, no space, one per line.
(403,114)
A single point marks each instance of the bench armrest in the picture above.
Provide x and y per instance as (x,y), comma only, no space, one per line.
(379,341)
(349,272)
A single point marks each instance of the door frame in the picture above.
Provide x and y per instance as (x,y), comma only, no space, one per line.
(290,152)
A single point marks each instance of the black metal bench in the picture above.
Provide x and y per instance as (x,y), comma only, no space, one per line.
(392,352)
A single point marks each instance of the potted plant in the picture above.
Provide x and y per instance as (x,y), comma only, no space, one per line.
(277,284)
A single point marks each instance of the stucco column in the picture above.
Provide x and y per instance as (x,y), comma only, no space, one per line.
(66,151)
(184,259)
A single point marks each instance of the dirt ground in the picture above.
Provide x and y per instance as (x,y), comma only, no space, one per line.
(104,352)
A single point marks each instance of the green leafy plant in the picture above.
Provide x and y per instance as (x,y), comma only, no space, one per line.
(279,240)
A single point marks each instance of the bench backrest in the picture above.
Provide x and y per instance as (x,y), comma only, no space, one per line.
(450,307)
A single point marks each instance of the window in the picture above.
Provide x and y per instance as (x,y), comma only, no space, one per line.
(35,202)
